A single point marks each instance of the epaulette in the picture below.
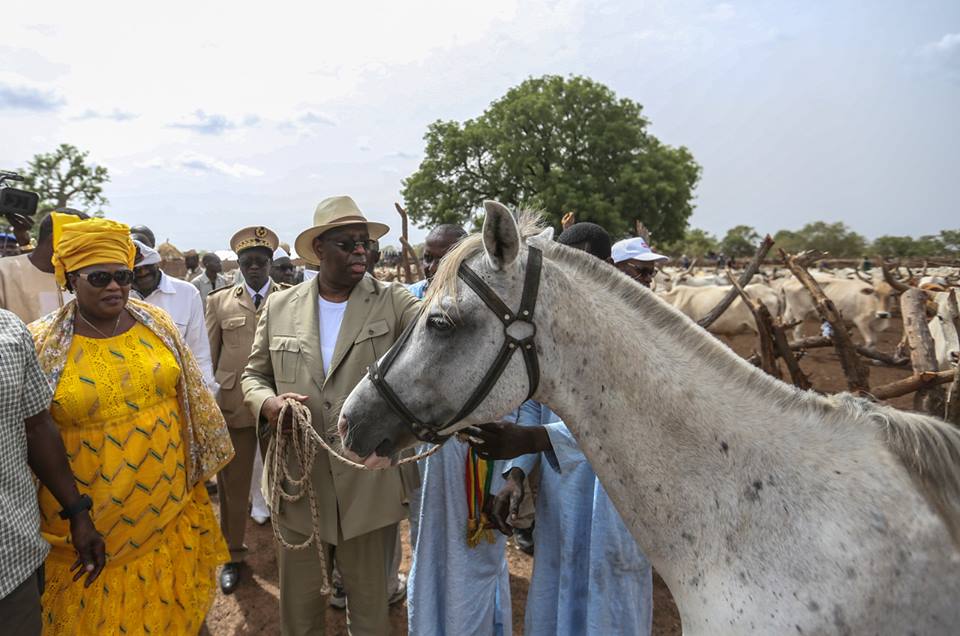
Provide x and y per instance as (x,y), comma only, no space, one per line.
(220,289)
(282,286)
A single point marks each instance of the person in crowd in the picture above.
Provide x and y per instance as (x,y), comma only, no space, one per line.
(589,576)
(32,446)
(373,258)
(144,234)
(283,269)
(9,246)
(178,298)
(142,434)
(459,582)
(28,287)
(211,278)
(232,314)
(313,344)
(634,258)
(191,260)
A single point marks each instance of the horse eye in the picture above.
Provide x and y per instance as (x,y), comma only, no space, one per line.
(439,323)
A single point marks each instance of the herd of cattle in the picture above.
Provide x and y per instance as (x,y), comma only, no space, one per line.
(866,301)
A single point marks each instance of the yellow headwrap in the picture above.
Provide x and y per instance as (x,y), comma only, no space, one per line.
(80,243)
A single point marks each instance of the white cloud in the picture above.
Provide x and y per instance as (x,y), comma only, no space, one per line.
(947,45)
(17,93)
(214,124)
(363,143)
(115,115)
(400,154)
(308,122)
(196,163)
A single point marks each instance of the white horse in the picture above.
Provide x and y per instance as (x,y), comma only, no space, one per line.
(766,509)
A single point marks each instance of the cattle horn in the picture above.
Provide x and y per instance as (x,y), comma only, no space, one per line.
(859,274)
(892,280)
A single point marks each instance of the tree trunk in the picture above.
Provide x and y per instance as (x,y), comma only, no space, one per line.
(855,371)
(923,357)
(761,315)
(797,376)
(404,259)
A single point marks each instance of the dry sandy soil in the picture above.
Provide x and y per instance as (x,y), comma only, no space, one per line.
(253,608)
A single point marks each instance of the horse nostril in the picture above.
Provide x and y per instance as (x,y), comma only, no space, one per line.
(384,448)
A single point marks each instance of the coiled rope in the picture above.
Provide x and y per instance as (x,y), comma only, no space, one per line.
(305,442)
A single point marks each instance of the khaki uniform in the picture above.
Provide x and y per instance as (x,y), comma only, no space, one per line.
(231,323)
(359,510)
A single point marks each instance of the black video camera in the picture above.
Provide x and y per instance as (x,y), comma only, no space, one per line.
(15,204)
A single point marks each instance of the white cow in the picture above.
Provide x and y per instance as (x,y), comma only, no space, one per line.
(696,302)
(861,304)
(942,328)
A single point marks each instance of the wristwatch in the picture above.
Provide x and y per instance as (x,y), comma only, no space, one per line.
(81,504)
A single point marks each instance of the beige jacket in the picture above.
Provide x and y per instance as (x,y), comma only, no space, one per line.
(286,358)
(231,324)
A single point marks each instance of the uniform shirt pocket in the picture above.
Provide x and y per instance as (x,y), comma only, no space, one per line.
(284,356)
(231,328)
(377,334)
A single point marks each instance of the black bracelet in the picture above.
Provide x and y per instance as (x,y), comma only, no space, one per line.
(81,504)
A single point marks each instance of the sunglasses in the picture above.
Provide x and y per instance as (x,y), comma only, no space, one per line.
(350,245)
(122,277)
(641,272)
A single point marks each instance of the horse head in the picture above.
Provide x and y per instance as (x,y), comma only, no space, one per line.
(459,363)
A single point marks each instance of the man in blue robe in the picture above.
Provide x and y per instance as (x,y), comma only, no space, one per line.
(589,575)
(453,588)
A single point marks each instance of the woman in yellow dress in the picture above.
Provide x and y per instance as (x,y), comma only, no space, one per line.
(142,434)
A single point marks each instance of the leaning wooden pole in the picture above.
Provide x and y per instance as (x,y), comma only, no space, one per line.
(923,355)
(912,383)
(761,316)
(404,258)
(857,374)
(748,273)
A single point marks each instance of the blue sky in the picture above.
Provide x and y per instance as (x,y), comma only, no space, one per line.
(213,116)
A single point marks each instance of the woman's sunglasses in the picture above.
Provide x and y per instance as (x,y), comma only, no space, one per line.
(122,277)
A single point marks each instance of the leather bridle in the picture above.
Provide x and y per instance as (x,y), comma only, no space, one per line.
(524,315)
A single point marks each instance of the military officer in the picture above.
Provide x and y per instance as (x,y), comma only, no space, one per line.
(231,315)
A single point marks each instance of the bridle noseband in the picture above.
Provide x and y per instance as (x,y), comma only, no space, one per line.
(531,285)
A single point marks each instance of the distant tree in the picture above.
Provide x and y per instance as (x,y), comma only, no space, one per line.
(894,246)
(951,241)
(834,238)
(739,241)
(695,243)
(64,178)
(556,144)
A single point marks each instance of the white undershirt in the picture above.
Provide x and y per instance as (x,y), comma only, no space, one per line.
(331,316)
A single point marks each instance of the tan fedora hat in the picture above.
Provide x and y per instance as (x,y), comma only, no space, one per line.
(332,213)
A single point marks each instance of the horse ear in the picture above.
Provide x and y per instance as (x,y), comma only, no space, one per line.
(501,237)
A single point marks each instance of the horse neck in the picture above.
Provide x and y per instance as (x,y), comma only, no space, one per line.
(642,388)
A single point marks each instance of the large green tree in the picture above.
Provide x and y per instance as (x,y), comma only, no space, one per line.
(64,178)
(558,145)
(695,243)
(739,241)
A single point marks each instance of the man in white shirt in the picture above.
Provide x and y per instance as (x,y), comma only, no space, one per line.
(211,278)
(178,298)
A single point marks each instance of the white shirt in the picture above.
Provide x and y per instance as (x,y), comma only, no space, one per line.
(331,316)
(263,292)
(182,301)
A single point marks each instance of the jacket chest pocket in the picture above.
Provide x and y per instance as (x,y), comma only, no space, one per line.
(233,331)
(284,356)
(377,335)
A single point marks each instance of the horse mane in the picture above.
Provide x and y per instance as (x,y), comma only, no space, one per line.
(927,448)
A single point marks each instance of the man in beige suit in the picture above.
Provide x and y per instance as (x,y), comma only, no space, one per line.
(314,342)
(231,318)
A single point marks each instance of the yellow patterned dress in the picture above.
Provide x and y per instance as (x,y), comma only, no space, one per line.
(117,410)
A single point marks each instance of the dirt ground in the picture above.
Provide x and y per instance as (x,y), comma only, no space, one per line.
(253,608)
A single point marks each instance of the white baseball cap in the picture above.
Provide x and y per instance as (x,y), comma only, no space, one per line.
(280,253)
(148,255)
(634,249)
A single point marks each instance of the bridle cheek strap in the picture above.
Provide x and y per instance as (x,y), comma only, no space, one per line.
(524,315)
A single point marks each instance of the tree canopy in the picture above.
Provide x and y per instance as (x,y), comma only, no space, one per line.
(64,177)
(835,238)
(739,241)
(558,145)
